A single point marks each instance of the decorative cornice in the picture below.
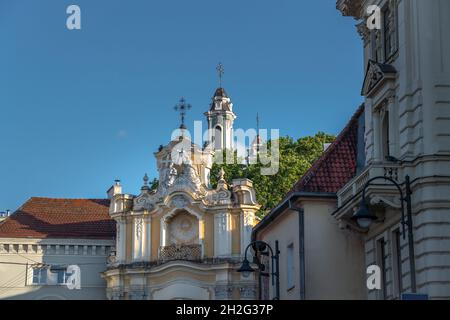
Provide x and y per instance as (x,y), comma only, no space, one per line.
(363,31)
(376,75)
(351,8)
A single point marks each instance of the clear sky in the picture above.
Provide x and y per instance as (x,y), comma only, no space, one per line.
(81,108)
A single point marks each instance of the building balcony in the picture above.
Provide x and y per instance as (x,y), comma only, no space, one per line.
(350,195)
(180,252)
(234,261)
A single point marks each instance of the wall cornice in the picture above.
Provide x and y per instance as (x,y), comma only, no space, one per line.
(351,8)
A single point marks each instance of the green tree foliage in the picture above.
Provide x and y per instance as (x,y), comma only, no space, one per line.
(296,157)
(154,184)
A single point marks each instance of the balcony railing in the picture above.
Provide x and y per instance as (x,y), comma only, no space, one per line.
(357,183)
(181,252)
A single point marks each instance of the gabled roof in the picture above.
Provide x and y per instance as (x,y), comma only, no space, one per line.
(337,165)
(60,218)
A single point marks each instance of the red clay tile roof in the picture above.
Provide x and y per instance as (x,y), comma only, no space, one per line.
(337,165)
(60,218)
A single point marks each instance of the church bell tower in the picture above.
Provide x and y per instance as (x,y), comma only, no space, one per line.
(220,118)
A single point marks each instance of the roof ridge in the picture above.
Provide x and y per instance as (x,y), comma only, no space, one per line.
(49,198)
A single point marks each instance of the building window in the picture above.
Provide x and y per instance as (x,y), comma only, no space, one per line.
(385,133)
(387,33)
(52,276)
(381,257)
(384,42)
(290,270)
(40,275)
(397,262)
(61,276)
(218,138)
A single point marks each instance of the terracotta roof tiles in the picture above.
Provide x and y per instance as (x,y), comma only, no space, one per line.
(337,165)
(60,218)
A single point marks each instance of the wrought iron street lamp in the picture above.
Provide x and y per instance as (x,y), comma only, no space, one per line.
(263,248)
(364,218)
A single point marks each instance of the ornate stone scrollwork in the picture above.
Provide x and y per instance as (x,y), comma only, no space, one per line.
(182,177)
(363,31)
(391,202)
(112,259)
(221,195)
(248,292)
(391,172)
(179,201)
(181,252)
(167,177)
(376,74)
(188,177)
(218,197)
(143,202)
(139,223)
(223,292)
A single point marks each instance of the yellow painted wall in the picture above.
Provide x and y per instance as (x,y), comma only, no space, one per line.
(156,235)
(129,236)
(209,235)
(235,233)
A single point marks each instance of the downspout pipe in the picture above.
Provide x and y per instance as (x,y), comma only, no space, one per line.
(301,246)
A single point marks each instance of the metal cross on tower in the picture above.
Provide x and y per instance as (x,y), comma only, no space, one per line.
(220,72)
(258,138)
(182,107)
(257,123)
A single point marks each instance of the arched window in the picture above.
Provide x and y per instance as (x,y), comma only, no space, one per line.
(385,134)
(218,138)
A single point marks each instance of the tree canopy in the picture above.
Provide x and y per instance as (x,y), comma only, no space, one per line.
(296,157)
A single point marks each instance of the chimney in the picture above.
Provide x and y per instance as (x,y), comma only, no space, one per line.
(8,212)
(325,146)
(116,188)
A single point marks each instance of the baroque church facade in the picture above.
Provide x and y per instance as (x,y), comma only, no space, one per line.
(185,240)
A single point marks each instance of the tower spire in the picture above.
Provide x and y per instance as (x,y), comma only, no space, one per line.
(257,133)
(182,107)
(257,124)
(221,117)
(220,71)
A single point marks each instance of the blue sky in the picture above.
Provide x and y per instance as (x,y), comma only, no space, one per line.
(81,108)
